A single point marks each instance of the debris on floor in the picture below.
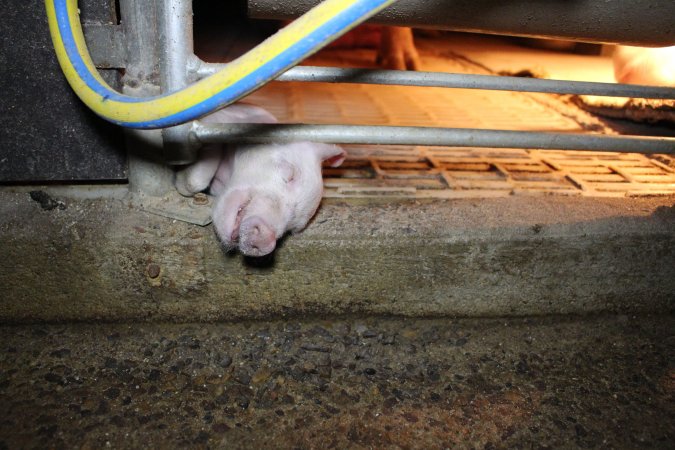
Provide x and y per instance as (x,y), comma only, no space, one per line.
(351,383)
(636,109)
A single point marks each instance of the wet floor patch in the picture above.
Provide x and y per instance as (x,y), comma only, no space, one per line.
(553,382)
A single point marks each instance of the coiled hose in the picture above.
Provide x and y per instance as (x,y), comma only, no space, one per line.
(318,27)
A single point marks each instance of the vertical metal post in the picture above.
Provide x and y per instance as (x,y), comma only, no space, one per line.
(147,174)
(176,53)
(159,49)
(139,20)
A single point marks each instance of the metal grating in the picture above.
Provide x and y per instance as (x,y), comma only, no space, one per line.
(430,172)
(433,172)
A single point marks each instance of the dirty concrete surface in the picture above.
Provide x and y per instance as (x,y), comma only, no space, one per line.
(105,260)
(557,382)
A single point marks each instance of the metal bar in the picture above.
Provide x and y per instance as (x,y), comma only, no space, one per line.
(603,21)
(460,81)
(175,42)
(176,49)
(139,23)
(430,136)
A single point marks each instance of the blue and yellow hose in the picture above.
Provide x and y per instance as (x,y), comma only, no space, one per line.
(318,27)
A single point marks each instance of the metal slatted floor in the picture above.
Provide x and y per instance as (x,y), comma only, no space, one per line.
(469,172)
(433,172)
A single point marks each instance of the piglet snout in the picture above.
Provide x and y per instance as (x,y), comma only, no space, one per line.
(256,237)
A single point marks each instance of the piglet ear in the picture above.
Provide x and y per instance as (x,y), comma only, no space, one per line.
(332,155)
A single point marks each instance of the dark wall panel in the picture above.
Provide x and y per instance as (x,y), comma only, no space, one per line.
(46,133)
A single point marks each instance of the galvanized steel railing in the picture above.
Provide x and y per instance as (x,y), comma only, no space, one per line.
(181,142)
(433,136)
(460,81)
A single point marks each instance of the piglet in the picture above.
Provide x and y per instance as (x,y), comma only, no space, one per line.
(397,49)
(262,191)
(395,46)
(650,66)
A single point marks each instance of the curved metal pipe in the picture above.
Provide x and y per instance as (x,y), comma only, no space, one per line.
(646,23)
(318,27)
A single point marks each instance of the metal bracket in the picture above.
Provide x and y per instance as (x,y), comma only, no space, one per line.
(195,210)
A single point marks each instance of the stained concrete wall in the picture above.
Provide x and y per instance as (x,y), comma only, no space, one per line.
(104,260)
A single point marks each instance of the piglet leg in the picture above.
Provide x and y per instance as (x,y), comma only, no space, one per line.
(397,49)
(211,165)
(197,177)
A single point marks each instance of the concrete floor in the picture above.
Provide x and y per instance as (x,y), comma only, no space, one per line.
(594,382)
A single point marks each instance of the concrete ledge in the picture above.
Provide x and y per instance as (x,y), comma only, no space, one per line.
(103,260)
